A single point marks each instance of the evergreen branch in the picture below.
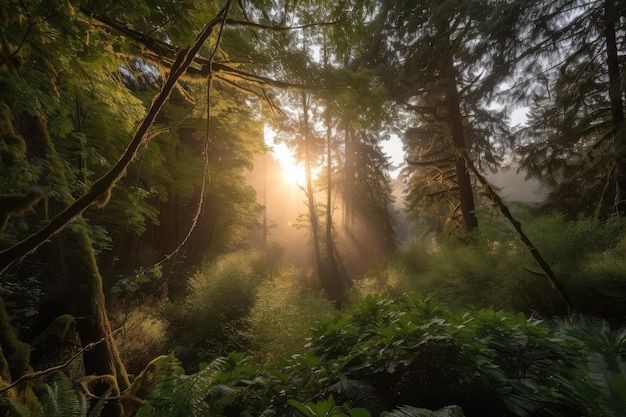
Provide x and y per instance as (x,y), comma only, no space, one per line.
(259,80)
(436,162)
(39,374)
(258,26)
(163,54)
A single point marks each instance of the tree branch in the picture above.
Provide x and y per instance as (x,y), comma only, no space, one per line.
(495,198)
(101,188)
(39,374)
(162,53)
(257,26)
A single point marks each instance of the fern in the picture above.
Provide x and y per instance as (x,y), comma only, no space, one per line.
(61,399)
(605,349)
(177,395)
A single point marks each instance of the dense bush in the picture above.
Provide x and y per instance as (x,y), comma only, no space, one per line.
(495,269)
(140,337)
(208,322)
(284,311)
(382,354)
(417,352)
(402,355)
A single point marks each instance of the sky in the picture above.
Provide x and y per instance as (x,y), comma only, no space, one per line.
(513,185)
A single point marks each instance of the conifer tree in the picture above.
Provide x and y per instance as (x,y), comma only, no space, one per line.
(443,61)
(573,79)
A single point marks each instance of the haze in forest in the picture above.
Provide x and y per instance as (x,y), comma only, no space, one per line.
(161,254)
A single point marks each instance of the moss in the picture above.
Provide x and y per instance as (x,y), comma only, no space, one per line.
(16,352)
(15,362)
(16,205)
(58,330)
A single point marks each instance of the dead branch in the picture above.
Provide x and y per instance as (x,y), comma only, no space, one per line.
(39,374)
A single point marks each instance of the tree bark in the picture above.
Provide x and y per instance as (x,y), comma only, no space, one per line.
(309,185)
(617,104)
(455,123)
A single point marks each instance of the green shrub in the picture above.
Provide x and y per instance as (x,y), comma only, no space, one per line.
(493,267)
(208,322)
(408,355)
(416,352)
(285,310)
(605,351)
(141,337)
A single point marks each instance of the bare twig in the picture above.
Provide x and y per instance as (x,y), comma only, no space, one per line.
(39,374)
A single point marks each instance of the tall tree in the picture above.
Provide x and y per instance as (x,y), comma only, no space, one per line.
(573,79)
(444,61)
(46,142)
(363,118)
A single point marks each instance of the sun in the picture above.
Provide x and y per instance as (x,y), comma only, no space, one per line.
(294,173)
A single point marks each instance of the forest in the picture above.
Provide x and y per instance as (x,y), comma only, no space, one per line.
(203,212)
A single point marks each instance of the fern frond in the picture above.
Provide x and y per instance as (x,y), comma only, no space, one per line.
(177,395)
(97,408)
(61,399)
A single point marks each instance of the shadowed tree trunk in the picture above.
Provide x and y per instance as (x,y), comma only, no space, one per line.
(617,104)
(78,263)
(327,271)
(455,122)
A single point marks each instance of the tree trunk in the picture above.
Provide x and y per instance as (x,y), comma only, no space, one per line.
(78,267)
(455,123)
(327,274)
(340,279)
(309,185)
(348,186)
(617,105)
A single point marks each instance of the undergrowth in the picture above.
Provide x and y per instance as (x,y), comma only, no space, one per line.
(494,269)
(382,355)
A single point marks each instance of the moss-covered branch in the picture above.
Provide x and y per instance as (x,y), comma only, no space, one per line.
(100,191)
(534,252)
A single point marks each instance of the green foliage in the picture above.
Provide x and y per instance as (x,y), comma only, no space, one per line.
(605,349)
(326,408)
(142,335)
(418,352)
(493,268)
(178,395)
(134,282)
(58,397)
(285,309)
(412,356)
(207,323)
(61,399)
